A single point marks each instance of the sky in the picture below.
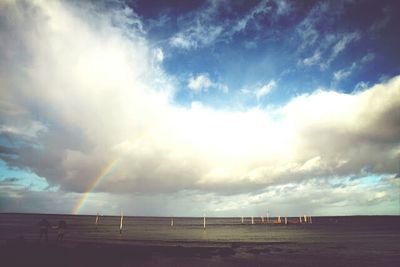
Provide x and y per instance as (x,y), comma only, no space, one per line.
(185,108)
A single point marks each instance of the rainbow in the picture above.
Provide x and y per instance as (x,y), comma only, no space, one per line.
(106,169)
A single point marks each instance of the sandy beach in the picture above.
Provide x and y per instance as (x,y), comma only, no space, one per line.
(150,241)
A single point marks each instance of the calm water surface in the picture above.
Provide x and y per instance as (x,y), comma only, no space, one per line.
(82,228)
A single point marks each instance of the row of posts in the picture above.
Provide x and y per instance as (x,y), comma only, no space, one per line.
(302,220)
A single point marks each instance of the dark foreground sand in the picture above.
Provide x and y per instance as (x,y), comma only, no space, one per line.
(21,253)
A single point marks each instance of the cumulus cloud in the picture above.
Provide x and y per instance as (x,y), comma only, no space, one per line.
(79,79)
(79,92)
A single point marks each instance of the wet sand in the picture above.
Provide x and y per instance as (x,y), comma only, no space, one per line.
(343,241)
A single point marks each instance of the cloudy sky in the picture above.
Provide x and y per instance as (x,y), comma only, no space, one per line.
(229,108)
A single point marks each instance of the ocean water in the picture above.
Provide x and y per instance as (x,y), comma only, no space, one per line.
(82,228)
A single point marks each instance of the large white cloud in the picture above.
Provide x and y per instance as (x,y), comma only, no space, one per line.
(80,89)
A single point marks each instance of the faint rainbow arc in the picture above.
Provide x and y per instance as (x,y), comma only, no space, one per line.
(106,169)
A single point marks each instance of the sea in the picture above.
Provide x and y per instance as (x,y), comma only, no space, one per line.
(190,230)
